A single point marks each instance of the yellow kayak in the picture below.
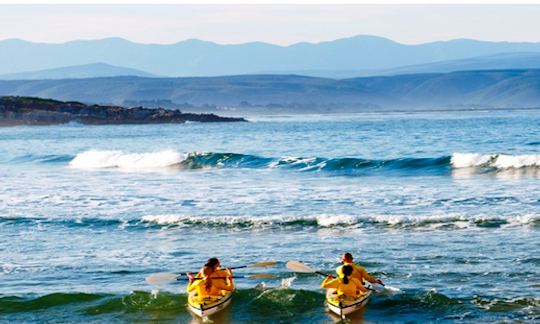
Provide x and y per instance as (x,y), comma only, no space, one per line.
(345,305)
(208,305)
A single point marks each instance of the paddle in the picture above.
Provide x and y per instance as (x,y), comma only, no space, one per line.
(381,288)
(165,277)
(251,276)
(298,266)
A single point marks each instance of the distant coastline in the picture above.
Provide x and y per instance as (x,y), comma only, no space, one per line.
(38,111)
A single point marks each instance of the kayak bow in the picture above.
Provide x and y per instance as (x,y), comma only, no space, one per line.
(344,306)
(209,305)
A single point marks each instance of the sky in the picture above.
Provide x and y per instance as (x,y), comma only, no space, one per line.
(277,24)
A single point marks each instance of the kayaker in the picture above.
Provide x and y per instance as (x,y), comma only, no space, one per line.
(345,285)
(216,268)
(204,286)
(358,272)
(215,265)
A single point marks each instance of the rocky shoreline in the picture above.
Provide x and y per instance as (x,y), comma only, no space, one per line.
(37,111)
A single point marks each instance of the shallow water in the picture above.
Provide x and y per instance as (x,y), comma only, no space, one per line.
(441,205)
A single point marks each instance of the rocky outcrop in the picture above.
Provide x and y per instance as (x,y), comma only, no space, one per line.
(38,111)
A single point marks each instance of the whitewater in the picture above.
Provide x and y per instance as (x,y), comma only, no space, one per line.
(443,205)
(95,159)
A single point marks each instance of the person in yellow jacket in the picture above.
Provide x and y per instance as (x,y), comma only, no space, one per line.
(345,285)
(358,272)
(204,286)
(215,265)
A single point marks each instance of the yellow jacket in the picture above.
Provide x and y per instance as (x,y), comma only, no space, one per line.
(353,288)
(358,272)
(216,289)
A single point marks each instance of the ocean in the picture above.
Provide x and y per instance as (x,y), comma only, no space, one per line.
(443,205)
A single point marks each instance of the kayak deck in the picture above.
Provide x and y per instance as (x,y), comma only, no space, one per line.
(208,305)
(345,305)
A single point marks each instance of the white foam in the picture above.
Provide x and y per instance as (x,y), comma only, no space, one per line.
(467,160)
(165,219)
(256,221)
(291,160)
(499,161)
(517,161)
(523,220)
(286,283)
(326,220)
(333,220)
(95,159)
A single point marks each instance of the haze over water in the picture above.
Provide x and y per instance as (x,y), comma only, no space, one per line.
(444,206)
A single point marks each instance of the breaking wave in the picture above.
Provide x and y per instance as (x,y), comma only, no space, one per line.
(256,304)
(496,161)
(407,222)
(171,159)
(118,159)
(329,221)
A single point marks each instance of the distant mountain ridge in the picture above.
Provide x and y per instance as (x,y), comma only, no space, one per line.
(202,58)
(504,61)
(301,94)
(93,70)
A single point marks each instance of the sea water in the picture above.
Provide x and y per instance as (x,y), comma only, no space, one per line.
(443,205)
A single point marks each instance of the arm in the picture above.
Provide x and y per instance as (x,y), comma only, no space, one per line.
(199,274)
(193,285)
(225,282)
(366,276)
(219,284)
(339,271)
(359,286)
(330,282)
(230,280)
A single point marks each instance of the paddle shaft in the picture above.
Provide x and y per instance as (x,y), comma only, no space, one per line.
(233,277)
(237,267)
(185,273)
(321,273)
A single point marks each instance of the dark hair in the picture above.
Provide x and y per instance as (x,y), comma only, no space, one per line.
(212,262)
(348,256)
(207,281)
(347,271)
(208,269)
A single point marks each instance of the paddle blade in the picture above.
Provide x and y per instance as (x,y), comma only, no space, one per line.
(260,276)
(161,278)
(298,266)
(263,264)
(385,290)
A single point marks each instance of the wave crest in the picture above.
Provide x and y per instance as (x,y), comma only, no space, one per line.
(99,159)
(95,159)
(496,161)
(262,303)
(444,221)
(328,221)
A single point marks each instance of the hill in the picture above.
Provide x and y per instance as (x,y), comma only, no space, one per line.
(300,94)
(93,70)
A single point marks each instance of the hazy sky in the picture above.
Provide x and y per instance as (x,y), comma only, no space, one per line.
(278,24)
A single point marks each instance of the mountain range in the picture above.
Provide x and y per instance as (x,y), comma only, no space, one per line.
(516,88)
(502,61)
(341,58)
